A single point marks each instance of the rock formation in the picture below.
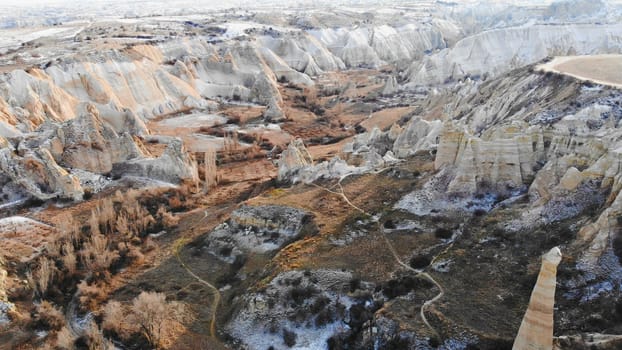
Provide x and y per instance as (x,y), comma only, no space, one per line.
(390,86)
(294,158)
(259,229)
(173,166)
(37,174)
(418,135)
(536,329)
(41,163)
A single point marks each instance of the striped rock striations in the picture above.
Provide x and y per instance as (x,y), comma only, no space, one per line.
(536,329)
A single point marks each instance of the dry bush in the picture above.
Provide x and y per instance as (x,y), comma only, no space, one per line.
(3,276)
(65,339)
(96,253)
(310,95)
(91,295)
(45,274)
(106,214)
(114,315)
(134,254)
(69,258)
(53,248)
(123,226)
(137,216)
(20,320)
(69,227)
(167,219)
(148,246)
(40,280)
(174,202)
(156,318)
(95,338)
(231,143)
(94,223)
(119,197)
(253,151)
(50,316)
(210,171)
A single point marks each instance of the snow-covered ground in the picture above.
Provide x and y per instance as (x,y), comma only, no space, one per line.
(12,38)
(194,121)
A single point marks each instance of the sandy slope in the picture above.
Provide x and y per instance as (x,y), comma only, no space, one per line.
(601,69)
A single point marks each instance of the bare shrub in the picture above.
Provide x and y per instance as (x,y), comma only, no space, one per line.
(94,223)
(174,202)
(53,248)
(90,295)
(231,143)
(97,254)
(155,316)
(122,226)
(210,171)
(167,219)
(148,246)
(65,339)
(114,319)
(95,338)
(40,280)
(50,316)
(68,226)
(137,216)
(310,95)
(106,213)
(150,314)
(134,254)
(69,257)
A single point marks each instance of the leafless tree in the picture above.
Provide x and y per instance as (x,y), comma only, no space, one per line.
(210,169)
(153,314)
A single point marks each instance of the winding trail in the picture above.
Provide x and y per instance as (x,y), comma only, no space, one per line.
(177,246)
(418,272)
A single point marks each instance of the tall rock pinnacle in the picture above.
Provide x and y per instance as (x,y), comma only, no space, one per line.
(536,329)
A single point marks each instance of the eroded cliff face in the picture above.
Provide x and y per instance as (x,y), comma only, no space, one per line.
(496,51)
(55,161)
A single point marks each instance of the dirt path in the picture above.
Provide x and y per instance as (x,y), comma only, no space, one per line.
(177,246)
(418,272)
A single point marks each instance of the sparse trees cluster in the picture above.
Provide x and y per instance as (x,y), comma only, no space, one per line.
(88,253)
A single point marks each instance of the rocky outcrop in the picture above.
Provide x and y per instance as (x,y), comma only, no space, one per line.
(294,158)
(90,144)
(418,135)
(507,159)
(390,86)
(89,147)
(37,174)
(173,166)
(285,313)
(536,329)
(258,229)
